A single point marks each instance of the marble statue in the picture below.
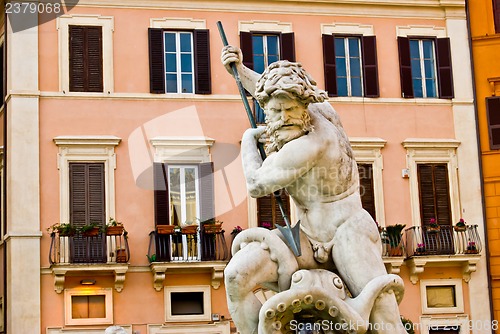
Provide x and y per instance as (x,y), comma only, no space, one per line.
(309,155)
(115,330)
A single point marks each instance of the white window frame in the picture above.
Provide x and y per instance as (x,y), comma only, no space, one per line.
(459,320)
(222,327)
(107,23)
(108,300)
(369,150)
(178,54)
(86,149)
(347,57)
(182,169)
(421,151)
(207,304)
(66,330)
(459,298)
(423,77)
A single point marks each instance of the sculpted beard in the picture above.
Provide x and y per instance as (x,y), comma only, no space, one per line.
(278,140)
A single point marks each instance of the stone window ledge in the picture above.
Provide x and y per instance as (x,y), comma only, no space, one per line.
(216,268)
(60,271)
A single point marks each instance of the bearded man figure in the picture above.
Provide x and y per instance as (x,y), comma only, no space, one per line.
(309,156)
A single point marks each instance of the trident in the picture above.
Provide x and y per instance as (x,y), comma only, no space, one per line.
(291,234)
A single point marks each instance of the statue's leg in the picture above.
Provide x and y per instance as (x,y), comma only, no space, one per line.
(357,254)
(250,266)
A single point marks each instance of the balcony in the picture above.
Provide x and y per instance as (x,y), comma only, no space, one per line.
(446,246)
(190,248)
(85,254)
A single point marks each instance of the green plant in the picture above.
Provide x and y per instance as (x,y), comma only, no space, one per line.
(394,233)
(87,228)
(62,229)
(461,223)
(113,222)
(433,223)
(151,258)
(408,325)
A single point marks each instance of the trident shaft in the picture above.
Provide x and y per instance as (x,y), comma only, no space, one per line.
(291,234)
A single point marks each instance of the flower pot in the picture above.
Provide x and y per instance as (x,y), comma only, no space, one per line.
(212,228)
(395,251)
(93,232)
(165,229)
(121,256)
(191,229)
(460,228)
(114,230)
(433,230)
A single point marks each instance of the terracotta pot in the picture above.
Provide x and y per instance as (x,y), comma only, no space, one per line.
(165,229)
(121,256)
(191,229)
(91,233)
(114,230)
(460,228)
(212,228)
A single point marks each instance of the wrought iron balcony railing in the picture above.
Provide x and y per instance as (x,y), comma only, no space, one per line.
(80,248)
(447,240)
(169,244)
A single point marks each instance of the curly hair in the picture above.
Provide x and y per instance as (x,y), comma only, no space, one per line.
(290,79)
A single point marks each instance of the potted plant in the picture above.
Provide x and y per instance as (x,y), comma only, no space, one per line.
(212,226)
(420,248)
(189,229)
(460,226)
(267,225)
(236,231)
(433,226)
(393,234)
(63,229)
(90,230)
(165,229)
(113,227)
(471,248)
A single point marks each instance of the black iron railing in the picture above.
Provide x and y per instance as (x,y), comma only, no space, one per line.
(447,240)
(203,244)
(80,248)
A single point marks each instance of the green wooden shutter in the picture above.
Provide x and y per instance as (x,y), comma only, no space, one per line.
(76,59)
(246,46)
(156,61)
(434,193)
(268,209)
(85,59)
(366,188)
(87,205)
(445,72)
(287,46)
(493,116)
(202,62)
(370,68)
(161,200)
(405,67)
(206,186)
(329,67)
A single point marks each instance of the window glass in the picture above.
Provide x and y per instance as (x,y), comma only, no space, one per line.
(423,68)
(186,303)
(348,66)
(84,307)
(179,62)
(441,296)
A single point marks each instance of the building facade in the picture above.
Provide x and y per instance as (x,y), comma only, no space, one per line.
(120,111)
(485,29)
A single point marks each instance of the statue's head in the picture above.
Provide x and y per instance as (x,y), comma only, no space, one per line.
(284,91)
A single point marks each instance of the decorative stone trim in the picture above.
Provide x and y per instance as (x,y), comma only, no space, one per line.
(215,268)
(393,264)
(458,296)
(261,25)
(177,23)
(347,28)
(182,149)
(222,327)
(418,264)
(460,321)
(60,272)
(420,30)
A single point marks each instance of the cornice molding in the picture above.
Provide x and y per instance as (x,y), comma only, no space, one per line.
(381,8)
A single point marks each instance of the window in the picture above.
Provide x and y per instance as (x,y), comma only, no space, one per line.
(188,303)
(366,188)
(85,53)
(350,65)
(268,211)
(441,296)
(85,59)
(179,61)
(433,180)
(493,113)
(425,67)
(87,206)
(262,49)
(434,193)
(92,306)
(496,14)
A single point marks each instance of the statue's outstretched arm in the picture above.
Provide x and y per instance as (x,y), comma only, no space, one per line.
(279,169)
(231,54)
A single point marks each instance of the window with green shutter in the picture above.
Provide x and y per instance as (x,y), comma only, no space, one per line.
(85,59)
(434,193)
(87,206)
(179,61)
